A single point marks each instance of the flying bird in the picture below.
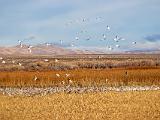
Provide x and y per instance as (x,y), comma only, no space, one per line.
(117,46)
(134,42)
(77,38)
(116,38)
(108,28)
(104,37)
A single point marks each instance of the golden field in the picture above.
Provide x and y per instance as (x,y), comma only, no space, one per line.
(139,105)
(88,70)
(82,77)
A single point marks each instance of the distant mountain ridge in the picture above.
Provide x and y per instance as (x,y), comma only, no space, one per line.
(40,49)
(53,50)
(146,51)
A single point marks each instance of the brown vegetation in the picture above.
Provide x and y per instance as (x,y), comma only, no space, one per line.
(140,105)
(82,77)
(78,62)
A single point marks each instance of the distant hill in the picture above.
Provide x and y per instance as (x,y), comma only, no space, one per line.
(53,50)
(147,51)
(40,49)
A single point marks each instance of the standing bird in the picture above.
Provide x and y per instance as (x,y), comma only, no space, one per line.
(35,78)
(29,48)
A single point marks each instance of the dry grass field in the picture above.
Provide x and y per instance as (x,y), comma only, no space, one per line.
(82,77)
(80,71)
(140,105)
(38,63)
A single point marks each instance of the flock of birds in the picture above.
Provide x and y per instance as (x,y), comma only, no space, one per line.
(117,39)
(103,37)
(89,38)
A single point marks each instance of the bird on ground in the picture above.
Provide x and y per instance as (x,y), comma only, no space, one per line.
(20,43)
(67,75)
(58,75)
(3,62)
(46,60)
(29,48)
(13,61)
(56,60)
(63,82)
(19,64)
(70,81)
(35,78)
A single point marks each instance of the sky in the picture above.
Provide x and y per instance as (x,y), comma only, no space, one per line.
(49,21)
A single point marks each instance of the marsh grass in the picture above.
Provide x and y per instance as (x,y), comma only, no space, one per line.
(82,77)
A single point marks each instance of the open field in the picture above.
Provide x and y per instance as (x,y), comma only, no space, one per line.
(34,63)
(80,87)
(140,105)
(80,70)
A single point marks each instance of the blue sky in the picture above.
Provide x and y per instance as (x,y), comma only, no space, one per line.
(135,20)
